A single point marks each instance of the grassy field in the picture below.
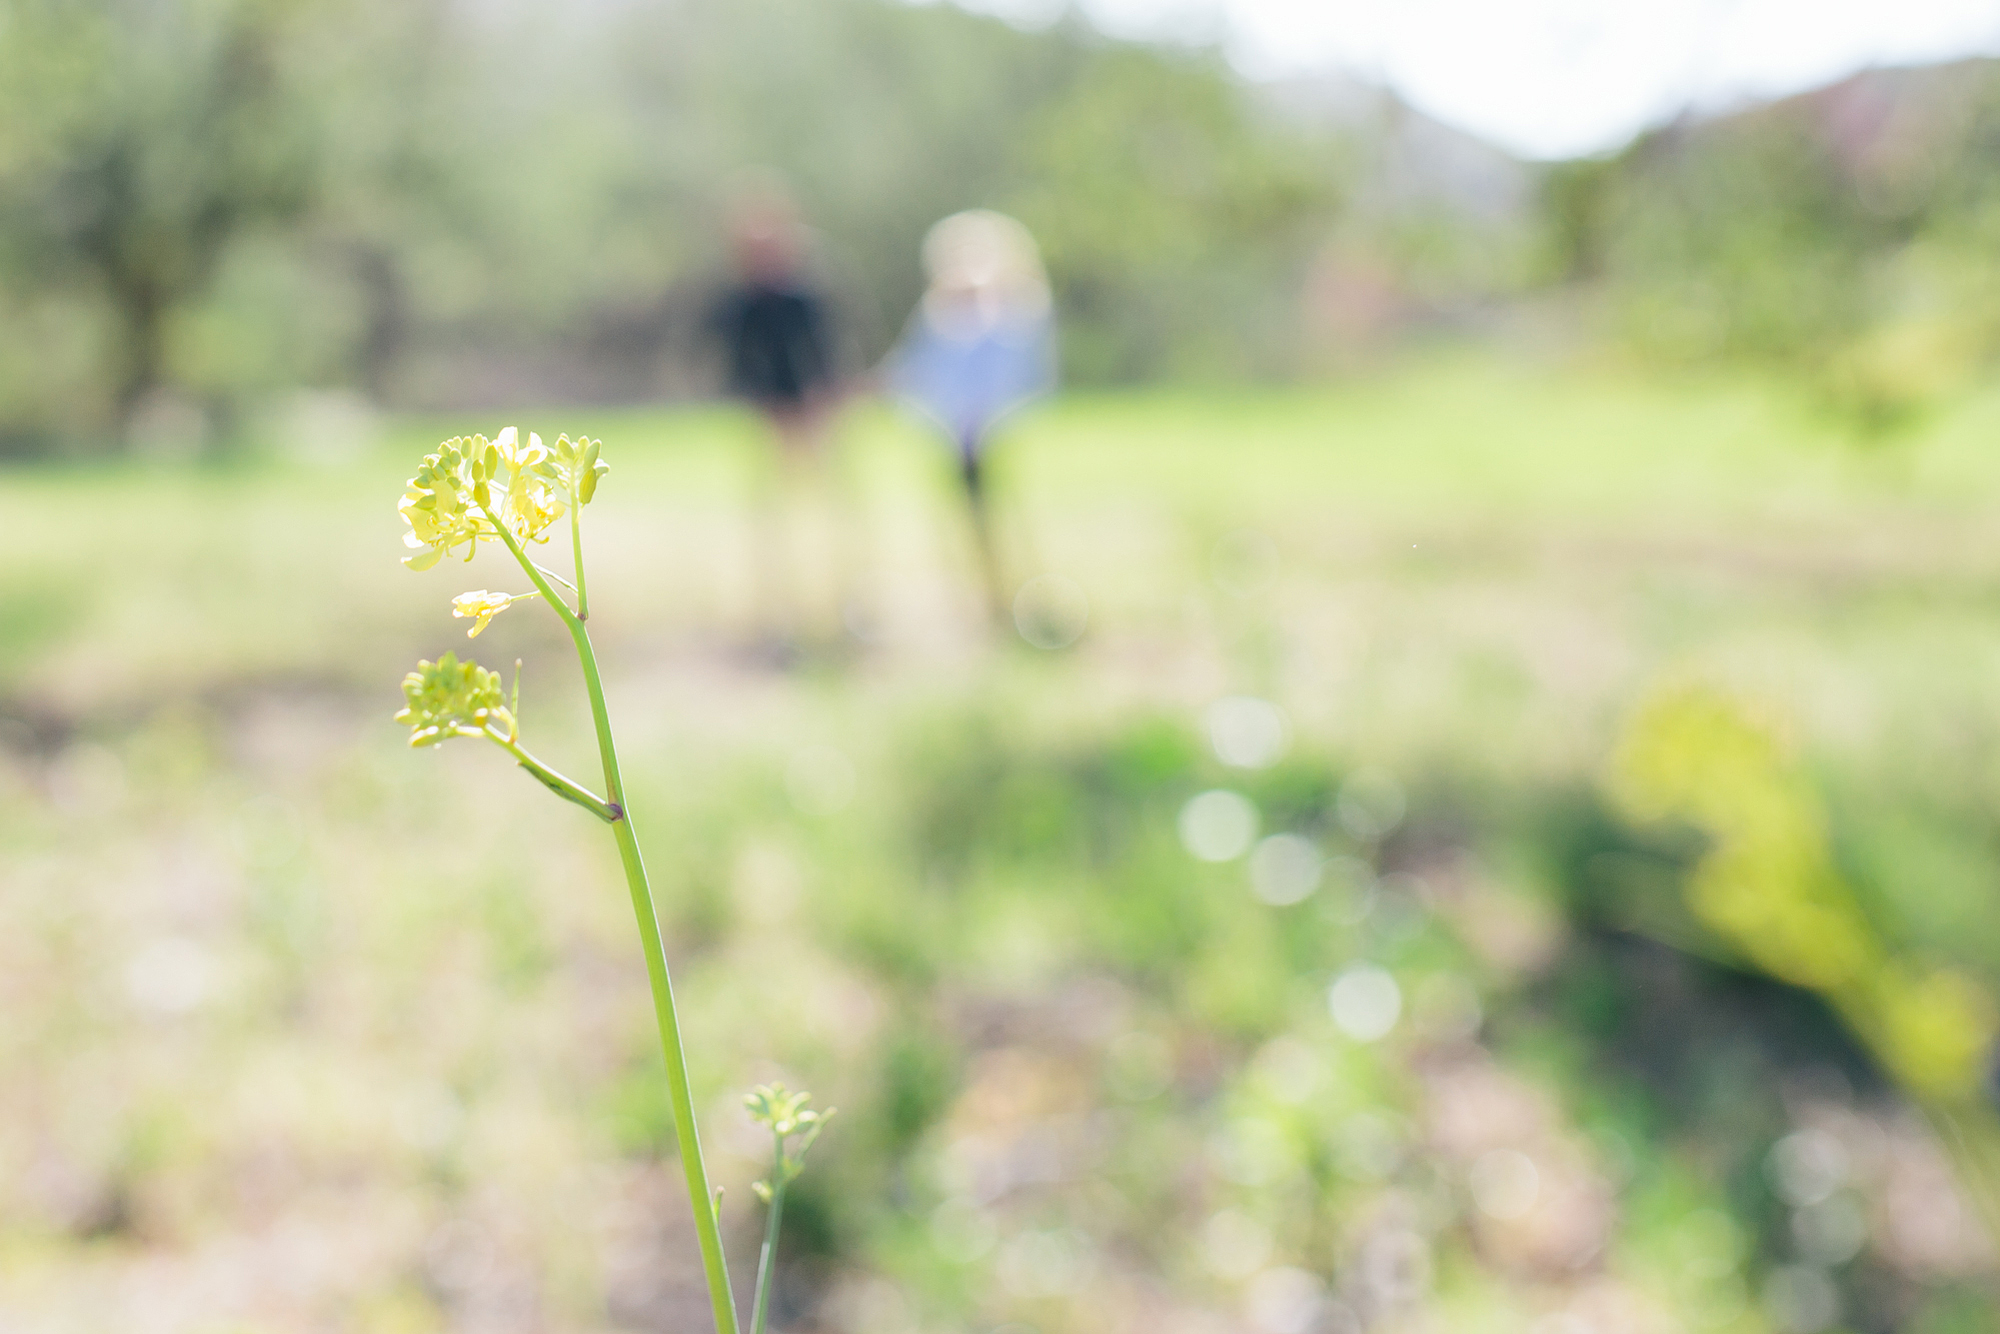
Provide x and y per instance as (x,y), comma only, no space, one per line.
(302,1031)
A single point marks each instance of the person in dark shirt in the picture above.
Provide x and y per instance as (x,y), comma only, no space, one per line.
(775,330)
(773,324)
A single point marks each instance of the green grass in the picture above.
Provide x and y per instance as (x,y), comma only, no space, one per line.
(273,986)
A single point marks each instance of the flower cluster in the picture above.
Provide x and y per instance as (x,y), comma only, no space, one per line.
(449,698)
(471,487)
(786,1114)
(449,501)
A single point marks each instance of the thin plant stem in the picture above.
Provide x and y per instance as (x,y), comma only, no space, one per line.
(767,1260)
(563,786)
(679,1089)
(558,578)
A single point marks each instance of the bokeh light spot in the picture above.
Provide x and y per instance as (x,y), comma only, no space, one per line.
(1051,611)
(961,1232)
(1246,732)
(1801,1300)
(1831,1232)
(1234,1244)
(1218,825)
(1807,1166)
(1284,869)
(170,975)
(1285,1300)
(1365,1002)
(1139,1066)
(1371,804)
(1505,1183)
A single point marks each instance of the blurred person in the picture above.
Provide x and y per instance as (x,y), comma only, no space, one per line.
(775,329)
(980,344)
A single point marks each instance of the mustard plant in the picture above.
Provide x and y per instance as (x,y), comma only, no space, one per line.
(1770,889)
(473,490)
(787,1117)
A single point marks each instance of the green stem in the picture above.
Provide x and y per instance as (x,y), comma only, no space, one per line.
(551,574)
(679,1089)
(767,1261)
(566,788)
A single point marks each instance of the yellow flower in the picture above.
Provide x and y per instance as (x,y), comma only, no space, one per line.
(481,606)
(1938,1028)
(449,698)
(531,500)
(441,503)
(470,485)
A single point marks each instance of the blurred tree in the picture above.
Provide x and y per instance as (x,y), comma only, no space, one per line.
(140,140)
(1178,224)
(1576,198)
(1841,237)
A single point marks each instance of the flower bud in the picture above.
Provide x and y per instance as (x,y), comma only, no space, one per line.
(449,698)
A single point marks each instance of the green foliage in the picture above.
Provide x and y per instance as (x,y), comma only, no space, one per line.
(917,1078)
(638,1112)
(1175,224)
(34,615)
(1832,235)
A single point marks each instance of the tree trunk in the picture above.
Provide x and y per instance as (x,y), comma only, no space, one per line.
(142,314)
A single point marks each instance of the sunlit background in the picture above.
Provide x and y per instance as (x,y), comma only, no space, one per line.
(1459,794)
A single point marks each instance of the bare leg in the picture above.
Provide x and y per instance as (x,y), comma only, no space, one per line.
(770,617)
(814,571)
(972,473)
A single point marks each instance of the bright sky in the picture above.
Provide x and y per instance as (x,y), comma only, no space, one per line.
(1558,78)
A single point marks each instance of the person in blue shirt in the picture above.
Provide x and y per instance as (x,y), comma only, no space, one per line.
(980,344)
